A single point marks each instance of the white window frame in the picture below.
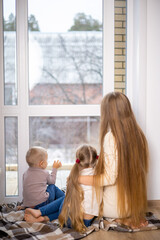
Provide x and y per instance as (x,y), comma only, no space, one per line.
(23,110)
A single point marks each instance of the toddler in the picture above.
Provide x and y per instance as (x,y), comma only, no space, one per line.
(38,183)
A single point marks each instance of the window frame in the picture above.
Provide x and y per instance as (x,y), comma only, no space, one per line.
(23,110)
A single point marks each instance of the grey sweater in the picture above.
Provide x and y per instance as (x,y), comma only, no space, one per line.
(35,181)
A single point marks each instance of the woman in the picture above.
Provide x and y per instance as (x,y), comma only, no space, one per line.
(123,163)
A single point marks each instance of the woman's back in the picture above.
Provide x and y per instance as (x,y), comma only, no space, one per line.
(110,187)
(126,148)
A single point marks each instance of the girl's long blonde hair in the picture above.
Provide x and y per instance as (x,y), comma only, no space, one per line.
(72,207)
(132,147)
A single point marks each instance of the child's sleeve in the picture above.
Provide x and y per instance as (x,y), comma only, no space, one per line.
(51,178)
(111,160)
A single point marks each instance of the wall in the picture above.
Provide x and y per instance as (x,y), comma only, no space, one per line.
(153,96)
(120,45)
(143,78)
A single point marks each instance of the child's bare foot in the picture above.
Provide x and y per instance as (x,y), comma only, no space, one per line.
(34,212)
(31,219)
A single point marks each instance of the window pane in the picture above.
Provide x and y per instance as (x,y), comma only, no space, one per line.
(9,26)
(65,52)
(120,45)
(61,136)
(11,155)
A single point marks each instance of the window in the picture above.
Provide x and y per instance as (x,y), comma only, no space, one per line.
(11,155)
(58,75)
(65,52)
(55,75)
(62,135)
(9,27)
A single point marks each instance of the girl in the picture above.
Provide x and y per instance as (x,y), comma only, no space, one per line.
(80,205)
(123,163)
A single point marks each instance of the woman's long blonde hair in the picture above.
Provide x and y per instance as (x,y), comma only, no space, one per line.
(132,147)
(72,207)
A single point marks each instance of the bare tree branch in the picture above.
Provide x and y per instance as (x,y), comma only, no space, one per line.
(75,65)
(60,85)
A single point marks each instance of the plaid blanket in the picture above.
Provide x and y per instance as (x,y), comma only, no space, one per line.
(13,227)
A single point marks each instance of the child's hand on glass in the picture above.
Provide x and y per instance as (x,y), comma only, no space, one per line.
(57,164)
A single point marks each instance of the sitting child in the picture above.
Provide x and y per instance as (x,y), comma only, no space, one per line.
(38,184)
(80,204)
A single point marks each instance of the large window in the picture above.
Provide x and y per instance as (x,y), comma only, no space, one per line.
(65,52)
(65,68)
(55,68)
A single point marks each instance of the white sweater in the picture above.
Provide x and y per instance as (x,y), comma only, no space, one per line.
(90,206)
(110,186)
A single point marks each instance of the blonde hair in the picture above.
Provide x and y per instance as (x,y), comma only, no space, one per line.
(35,155)
(132,147)
(72,207)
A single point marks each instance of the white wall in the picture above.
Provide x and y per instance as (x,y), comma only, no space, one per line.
(143,78)
(153,96)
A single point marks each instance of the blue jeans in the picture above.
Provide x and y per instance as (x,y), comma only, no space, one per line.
(54,193)
(87,222)
(51,210)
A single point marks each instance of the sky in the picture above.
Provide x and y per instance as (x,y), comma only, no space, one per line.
(57,15)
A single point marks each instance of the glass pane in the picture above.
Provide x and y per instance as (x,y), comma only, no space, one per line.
(65,51)
(11,155)
(120,46)
(61,136)
(9,26)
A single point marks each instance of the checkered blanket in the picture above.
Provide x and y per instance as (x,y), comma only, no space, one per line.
(12,226)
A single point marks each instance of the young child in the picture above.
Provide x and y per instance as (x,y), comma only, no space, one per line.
(80,204)
(38,184)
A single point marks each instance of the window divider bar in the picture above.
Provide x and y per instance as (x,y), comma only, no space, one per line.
(22,80)
(1,57)
(64,110)
(2,162)
(108,46)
